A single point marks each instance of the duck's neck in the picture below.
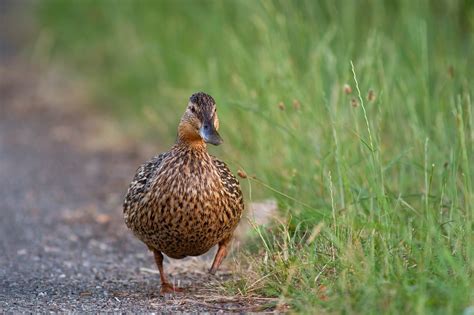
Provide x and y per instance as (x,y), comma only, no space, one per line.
(187,145)
(189,139)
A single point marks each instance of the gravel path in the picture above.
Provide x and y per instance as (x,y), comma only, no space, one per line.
(64,246)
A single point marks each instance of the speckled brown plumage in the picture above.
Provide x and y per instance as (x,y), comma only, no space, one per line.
(185,201)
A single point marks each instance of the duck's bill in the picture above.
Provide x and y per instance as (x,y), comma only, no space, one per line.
(210,135)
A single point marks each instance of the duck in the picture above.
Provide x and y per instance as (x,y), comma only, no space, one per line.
(185,201)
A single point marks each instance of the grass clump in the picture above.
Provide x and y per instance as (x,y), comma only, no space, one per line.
(357,115)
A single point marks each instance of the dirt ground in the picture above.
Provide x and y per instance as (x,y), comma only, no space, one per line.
(64,247)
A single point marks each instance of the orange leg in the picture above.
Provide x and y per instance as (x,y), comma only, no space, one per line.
(220,255)
(166,287)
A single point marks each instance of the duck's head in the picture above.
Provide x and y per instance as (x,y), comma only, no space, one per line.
(199,122)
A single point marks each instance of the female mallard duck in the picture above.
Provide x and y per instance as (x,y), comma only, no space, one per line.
(185,201)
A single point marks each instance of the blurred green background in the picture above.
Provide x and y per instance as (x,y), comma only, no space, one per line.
(375,188)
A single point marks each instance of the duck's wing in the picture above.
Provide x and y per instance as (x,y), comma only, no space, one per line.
(231,184)
(141,181)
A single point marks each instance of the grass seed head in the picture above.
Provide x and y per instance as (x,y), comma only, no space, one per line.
(296,104)
(241,174)
(371,95)
(347,89)
(281,106)
(354,102)
(451,72)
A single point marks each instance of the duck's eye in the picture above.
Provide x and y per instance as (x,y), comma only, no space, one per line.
(193,110)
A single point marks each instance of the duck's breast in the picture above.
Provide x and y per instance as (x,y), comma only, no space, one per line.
(191,210)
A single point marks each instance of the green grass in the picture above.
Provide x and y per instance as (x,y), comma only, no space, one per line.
(378,198)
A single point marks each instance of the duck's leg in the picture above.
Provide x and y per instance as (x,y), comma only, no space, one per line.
(220,255)
(166,287)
